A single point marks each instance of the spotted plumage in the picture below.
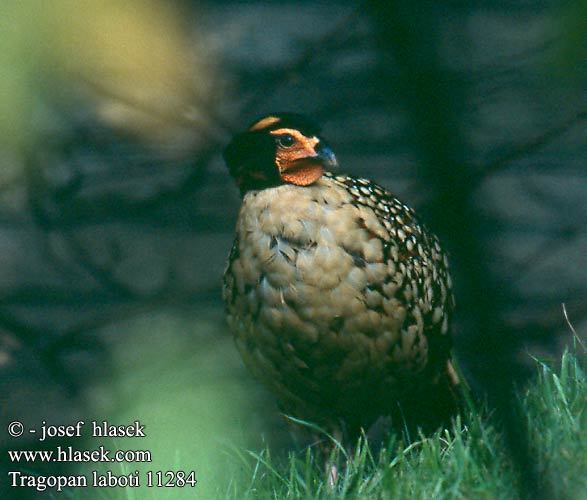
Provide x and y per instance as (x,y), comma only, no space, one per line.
(338,297)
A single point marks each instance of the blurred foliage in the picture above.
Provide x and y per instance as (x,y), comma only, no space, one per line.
(139,51)
(180,376)
(573,29)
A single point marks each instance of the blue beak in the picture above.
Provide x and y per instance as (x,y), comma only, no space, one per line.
(326,156)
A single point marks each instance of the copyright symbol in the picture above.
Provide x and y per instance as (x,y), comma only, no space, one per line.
(15,429)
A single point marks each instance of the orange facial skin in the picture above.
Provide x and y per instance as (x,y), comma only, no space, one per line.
(298,163)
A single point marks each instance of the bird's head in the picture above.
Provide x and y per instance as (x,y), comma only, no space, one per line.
(281,148)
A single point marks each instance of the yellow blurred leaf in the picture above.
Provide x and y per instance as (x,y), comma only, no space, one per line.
(135,51)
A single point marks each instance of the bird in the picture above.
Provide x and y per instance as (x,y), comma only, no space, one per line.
(339,299)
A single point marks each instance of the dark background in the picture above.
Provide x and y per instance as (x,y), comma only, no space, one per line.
(117,213)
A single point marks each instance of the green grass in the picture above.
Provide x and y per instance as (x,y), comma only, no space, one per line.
(467,461)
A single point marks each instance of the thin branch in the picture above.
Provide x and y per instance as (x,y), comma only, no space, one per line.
(529,147)
(132,309)
(316,47)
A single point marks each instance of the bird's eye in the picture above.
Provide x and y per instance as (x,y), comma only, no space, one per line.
(285,140)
